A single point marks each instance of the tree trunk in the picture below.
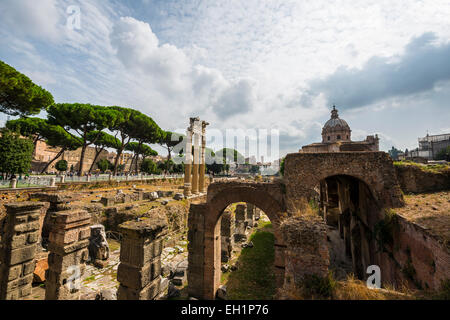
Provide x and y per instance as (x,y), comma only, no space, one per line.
(83,151)
(116,162)
(97,153)
(51,161)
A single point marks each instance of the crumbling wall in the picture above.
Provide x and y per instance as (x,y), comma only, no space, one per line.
(413,179)
(414,256)
(306,252)
(139,271)
(18,250)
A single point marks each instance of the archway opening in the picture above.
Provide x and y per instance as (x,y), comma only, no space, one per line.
(247,254)
(351,213)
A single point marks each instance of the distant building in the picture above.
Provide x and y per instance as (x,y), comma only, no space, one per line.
(43,153)
(336,137)
(430,146)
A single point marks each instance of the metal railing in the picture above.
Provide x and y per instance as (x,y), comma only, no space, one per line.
(51,180)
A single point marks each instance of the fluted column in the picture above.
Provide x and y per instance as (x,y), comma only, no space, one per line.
(202,163)
(195,165)
(188,164)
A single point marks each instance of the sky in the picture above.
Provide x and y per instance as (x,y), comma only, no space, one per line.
(244,64)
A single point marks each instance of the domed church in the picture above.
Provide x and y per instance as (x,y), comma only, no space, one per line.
(336,137)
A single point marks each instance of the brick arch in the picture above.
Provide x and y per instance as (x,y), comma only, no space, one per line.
(204,231)
(260,198)
(373,192)
(303,171)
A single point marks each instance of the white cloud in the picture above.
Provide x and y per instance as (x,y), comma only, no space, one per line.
(40,19)
(237,64)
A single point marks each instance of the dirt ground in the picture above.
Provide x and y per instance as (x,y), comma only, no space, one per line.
(431,211)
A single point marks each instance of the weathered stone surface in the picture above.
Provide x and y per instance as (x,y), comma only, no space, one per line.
(306,248)
(98,245)
(222,292)
(413,179)
(139,271)
(107,294)
(178,196)
(68,254)
(18,249)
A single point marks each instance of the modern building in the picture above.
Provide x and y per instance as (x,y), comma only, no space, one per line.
(430,146)
(336,137)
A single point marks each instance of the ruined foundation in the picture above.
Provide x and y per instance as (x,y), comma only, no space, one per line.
(140,259)
(68,243)
(19,245)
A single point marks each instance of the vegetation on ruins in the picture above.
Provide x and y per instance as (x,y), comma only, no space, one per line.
(15,153)
(78,120)
(282,166)
(254,278)
(19,95)
(424,167)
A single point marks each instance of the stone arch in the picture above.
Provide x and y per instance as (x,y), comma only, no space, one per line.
(303,171)
(204,231)
(348,204)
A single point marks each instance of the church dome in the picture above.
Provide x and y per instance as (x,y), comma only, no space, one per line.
(335,129)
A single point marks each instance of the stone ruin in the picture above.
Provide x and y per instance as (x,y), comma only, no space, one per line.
(139,272)
(300,243)
(98,246)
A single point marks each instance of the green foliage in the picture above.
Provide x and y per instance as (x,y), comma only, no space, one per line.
(102,140)
(444,154)
(149,166)
(229,154)
(255,279)
(282,166)
(61,165)
(104,165)
(384,229)
(254,169)
(19,95)
(15,153)
(27,127)
(314,286)
(132,124)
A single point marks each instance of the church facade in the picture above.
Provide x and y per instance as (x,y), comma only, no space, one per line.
(336,137)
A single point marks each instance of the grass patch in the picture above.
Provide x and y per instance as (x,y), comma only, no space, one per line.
(425,167)
(113,245)
(254,279)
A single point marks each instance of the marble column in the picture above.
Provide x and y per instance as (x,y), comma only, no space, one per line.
(195,166)
(188,163)
(202,161)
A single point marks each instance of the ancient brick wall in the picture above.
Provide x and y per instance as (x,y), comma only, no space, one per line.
(306,249)
(303,173)
(415,256)
(18,250)
(140,259)
(413,179)
(68,243)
